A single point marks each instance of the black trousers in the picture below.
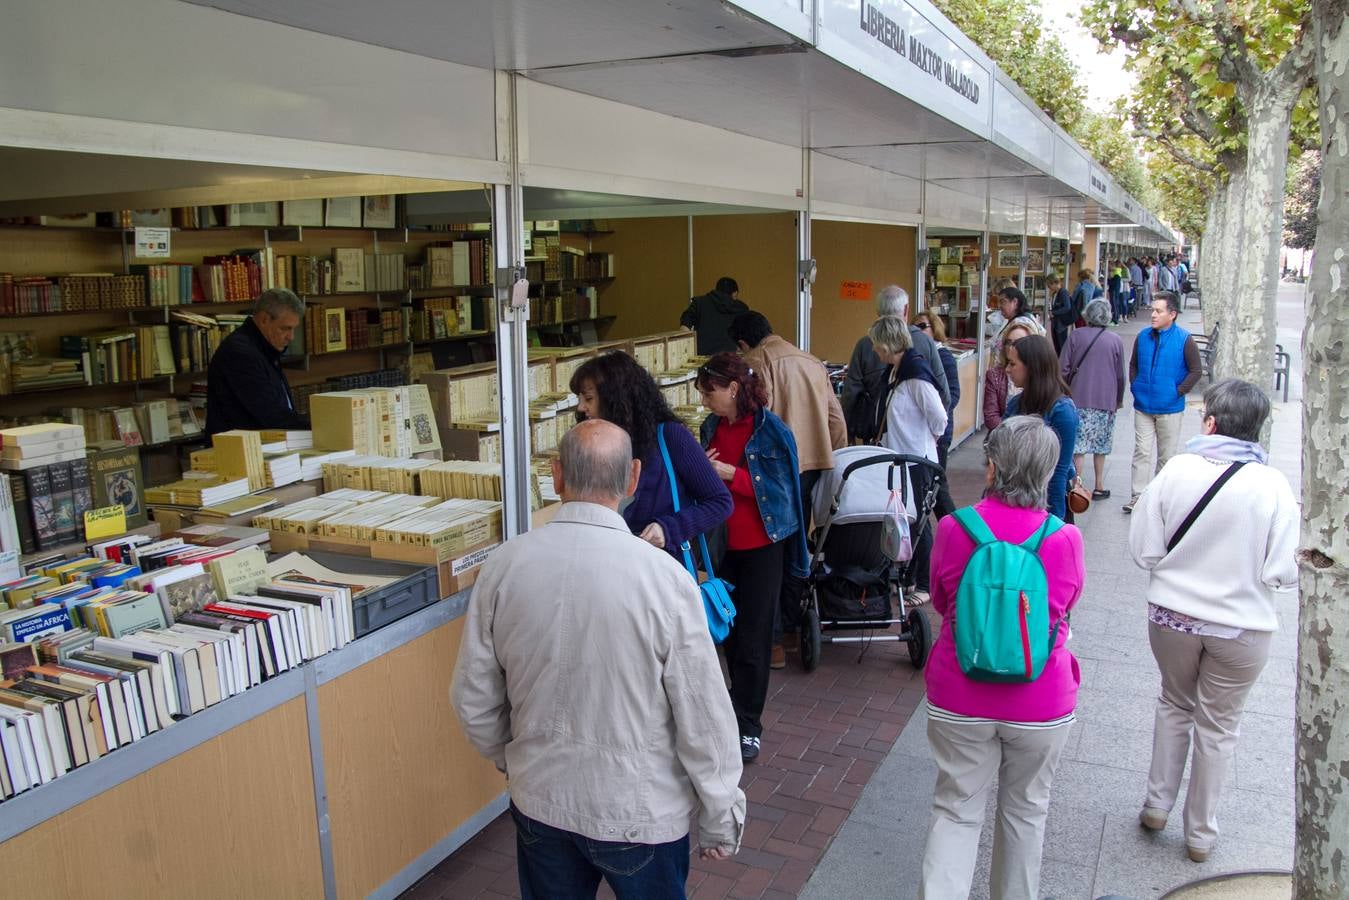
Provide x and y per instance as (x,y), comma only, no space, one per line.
(945,505)
(757,576)
(918,572)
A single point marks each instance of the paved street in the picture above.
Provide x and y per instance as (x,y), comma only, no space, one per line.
(1094,845)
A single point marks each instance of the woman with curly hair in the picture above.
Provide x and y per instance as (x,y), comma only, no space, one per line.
(754,452)
(615,388)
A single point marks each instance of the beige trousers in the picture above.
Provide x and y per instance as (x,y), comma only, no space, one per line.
(1159,435)
(968,758)
(1205,681)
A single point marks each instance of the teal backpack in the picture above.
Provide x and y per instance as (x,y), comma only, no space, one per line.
(1002,628)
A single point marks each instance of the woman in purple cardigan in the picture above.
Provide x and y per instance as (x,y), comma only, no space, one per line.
(1093,365)
(1013,732)
(615,388)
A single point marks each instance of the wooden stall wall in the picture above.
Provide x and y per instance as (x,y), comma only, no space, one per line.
(651,281)
(854,259)
(758,250)
(401,775)
(233,817)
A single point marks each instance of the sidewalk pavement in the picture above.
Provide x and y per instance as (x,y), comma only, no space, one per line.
(1093,844)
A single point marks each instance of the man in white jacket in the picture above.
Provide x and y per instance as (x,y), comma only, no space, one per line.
(1211,610)
(586,673)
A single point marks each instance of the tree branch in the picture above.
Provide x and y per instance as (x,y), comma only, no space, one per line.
(1295,68)
(1178,154)
(1234,62)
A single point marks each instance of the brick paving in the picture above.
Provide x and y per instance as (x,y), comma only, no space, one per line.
(825,735)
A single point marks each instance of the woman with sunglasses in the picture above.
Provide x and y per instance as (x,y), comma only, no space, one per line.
(754,453)
(1033,366)
(615,388)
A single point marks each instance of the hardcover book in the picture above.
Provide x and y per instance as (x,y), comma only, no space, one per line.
(39,485)
(115,476)
(63,503)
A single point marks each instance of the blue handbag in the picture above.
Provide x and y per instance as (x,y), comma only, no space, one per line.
(716,593)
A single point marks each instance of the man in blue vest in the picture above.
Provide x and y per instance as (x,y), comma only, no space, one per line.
(1164,367)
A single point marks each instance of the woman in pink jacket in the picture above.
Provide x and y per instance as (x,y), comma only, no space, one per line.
(1009,731)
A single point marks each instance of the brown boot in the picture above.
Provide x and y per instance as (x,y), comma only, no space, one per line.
(779,658)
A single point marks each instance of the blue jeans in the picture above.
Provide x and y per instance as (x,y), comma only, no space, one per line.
(562,864)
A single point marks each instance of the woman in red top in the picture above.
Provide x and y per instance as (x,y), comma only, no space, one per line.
(754,453)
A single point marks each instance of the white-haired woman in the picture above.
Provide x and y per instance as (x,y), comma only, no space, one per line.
(1092,363)
(1011,732)
(914,419)
(866,381)
(1211,588)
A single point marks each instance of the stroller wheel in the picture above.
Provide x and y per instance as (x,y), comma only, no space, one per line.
(810,637)
(920,637)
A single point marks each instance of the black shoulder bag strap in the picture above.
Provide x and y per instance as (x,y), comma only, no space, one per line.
(1217,485)
(1072,373)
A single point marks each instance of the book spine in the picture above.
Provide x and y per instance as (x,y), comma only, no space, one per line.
(83,492)
(40,502)
(63,502)
(23,513)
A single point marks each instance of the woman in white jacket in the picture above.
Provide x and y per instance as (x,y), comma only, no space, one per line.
(915,418)
(1211,593)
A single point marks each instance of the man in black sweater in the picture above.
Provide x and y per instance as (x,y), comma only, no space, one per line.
(710,315)
(245,385)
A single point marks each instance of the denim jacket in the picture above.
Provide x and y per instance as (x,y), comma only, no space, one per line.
(770,456)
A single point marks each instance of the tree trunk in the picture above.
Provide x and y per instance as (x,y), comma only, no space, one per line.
(1212,264)
(1320,868)
(1233,194)
(1247,350)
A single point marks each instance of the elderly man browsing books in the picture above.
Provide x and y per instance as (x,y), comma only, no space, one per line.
(245,386)
(586,673)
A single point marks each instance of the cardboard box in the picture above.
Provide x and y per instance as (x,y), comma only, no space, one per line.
(454,573)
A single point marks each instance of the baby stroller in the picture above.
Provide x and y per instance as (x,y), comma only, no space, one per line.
(854,583)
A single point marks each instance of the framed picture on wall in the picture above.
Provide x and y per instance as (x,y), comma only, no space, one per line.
(1009,259)
(1035,260)
(1009,240)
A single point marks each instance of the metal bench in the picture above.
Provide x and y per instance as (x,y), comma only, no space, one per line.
(1283,374)
(1208,350)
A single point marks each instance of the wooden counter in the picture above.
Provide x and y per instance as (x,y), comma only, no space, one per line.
(347,777)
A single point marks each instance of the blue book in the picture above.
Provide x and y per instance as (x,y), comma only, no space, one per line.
(42,620)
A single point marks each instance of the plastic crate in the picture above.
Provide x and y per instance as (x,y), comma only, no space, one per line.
(417,587)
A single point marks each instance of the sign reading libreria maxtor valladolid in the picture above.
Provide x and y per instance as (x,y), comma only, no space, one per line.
(915,56)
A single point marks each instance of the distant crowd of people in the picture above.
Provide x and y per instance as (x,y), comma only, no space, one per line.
(589,675)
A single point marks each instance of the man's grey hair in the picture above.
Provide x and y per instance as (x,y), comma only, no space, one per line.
(892,333)
(596,461)
(893,300)
(1024,451)
(1172,300)
(1097,313)
(275,301)
(1239,408)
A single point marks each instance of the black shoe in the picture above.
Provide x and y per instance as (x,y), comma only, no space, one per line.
(749,749)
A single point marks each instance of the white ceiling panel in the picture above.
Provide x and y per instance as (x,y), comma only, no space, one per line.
(521,34)
(790,98)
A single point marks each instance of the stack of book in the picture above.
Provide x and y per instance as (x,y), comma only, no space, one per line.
(375,473)
(102,666)
(41,373)
(167,284)
(196,490)
(282,468)
(463,479)
(50,485)
(294,440)
(238,454)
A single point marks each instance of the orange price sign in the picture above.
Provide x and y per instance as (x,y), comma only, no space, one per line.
(855,290)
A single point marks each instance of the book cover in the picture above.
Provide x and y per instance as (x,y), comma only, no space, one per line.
(187,595)
(239,573)
(41,620)
(379,211)
(350,263)
(63,503)
(115,476)
(342,212)
(39,485)
(15,660)
(334,329)
(82,490)
(308,213)
(134,614)
(425,435)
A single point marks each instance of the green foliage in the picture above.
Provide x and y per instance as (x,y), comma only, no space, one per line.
(1182,193)
(1013,34)
(1299,206)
